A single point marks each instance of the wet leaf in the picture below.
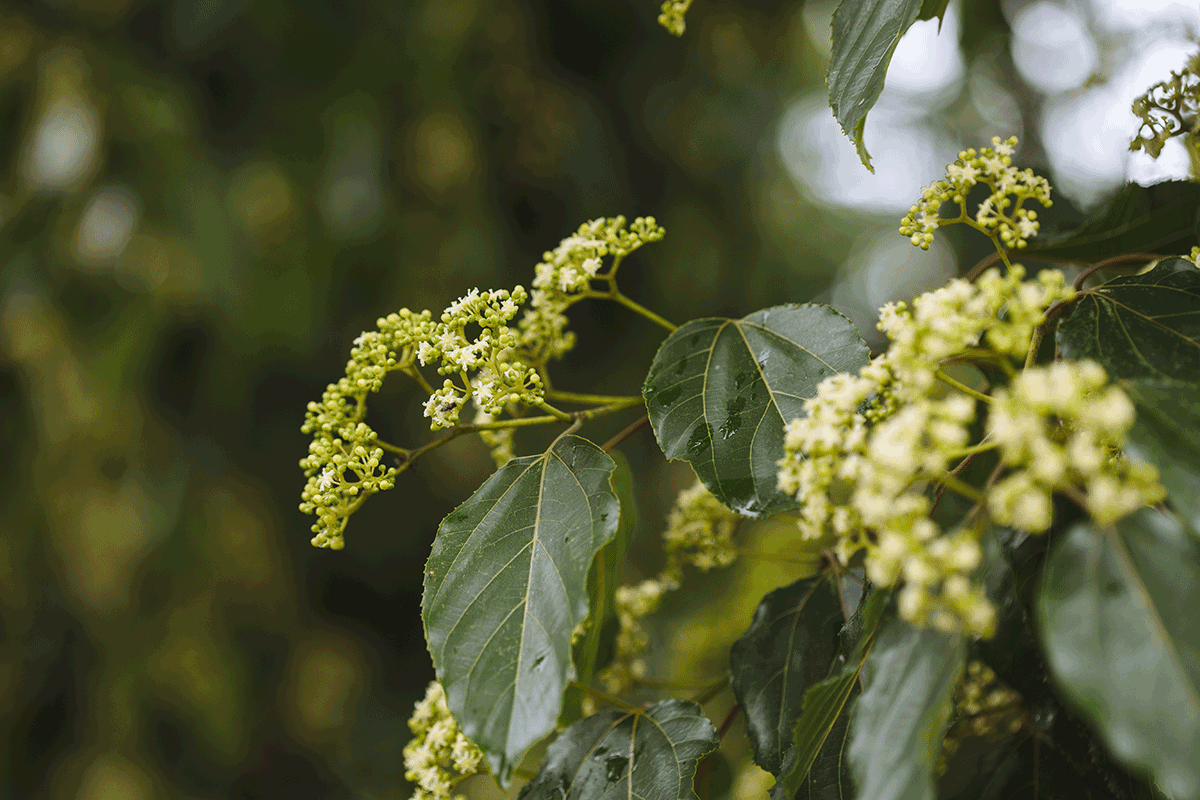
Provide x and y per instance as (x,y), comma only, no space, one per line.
(899,720)
(865,34)
(650,753)
(1120,623)
(720,390)
(1141,326)
(505,585)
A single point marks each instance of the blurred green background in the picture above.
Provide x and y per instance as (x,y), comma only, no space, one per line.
(202,202)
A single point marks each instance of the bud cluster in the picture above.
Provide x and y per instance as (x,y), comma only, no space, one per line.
(565,275)
(1001,214)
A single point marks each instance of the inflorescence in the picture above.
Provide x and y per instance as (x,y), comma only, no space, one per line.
(672,15)
(1001,215)
(865,461)
(438,756)
(1169,108)
(481,355)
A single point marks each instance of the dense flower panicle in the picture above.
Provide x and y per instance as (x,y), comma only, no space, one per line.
(343,464)
(566,273)
(863,459)
(501,376)
(438,755)
(999,214)
(1061,426)
(479,356)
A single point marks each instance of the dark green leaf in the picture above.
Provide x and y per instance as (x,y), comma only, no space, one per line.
(720,390)
(788,647)
(1167,434)
(865,33)
(933,8)
(603,579)
(1147,219)
(1120,622)
(649,754)
(505,585)
(898,722)
(814,766)
(1141,326)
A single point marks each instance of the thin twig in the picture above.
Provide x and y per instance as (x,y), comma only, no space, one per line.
(629,430)
(1127,258)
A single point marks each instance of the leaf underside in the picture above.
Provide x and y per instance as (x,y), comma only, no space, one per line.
(1149,219)
(1120,623)
(649,753)
(865,34)
(720,390)
(505,585)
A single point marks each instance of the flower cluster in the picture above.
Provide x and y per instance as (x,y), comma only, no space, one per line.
(501,376)
(672,14)
(1061,427)
(1168,109)
(699,532)
(862,460)
(983,706)
(344,465)
(565,276)
(438,756)
(999,215)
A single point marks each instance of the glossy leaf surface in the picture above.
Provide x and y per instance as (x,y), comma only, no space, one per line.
(650,754)
(1141,326)
(505,585)
(898,722)
(865,34)
(1148,219)
(720,390)
(1120,622)
(789,646)
(1167,434)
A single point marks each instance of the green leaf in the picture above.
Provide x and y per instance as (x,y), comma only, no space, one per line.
(933,8)
(1167,434)
(899,720)
(505,585)
(865,33)
(1118,613)
(814,765)
(589,653)
(650,753)
(824,718)
(1141,326)
(788,647)
(720,390)
(1149,219)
